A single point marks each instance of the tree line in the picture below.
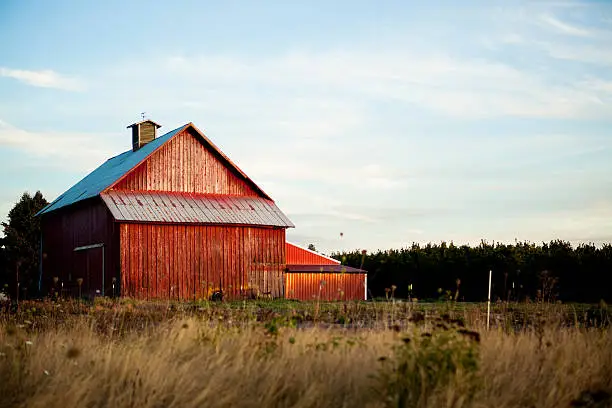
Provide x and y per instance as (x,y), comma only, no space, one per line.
(521,271)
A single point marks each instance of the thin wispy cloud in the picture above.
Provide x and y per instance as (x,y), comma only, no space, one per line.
(454,86)
(564,27)
(599,85)
(585,53)
(43,79)
(77,152)
(584,224)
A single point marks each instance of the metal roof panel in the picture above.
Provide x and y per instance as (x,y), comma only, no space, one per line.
(186,208)
(323,269)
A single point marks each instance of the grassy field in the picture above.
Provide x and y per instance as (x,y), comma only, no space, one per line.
(292,354)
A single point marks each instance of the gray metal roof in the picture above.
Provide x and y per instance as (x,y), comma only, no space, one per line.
(323,269)
(186,208)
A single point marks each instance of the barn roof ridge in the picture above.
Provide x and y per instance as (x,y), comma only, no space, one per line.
(114,169)
(185,193)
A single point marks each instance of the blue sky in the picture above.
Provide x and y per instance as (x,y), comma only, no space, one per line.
(389,123)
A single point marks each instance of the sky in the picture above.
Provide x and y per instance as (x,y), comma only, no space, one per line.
(373,125)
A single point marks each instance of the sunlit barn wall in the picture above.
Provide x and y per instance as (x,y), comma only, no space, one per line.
(191,261)
(325,286)
(297,255)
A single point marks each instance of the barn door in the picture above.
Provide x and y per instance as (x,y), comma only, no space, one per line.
(89,267)
(80,272)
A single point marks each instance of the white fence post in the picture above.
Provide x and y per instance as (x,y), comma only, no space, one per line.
(489,301)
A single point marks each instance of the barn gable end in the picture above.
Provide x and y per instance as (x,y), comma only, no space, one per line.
(189,163)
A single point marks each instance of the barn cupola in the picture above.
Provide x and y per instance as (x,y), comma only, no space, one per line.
(143,132)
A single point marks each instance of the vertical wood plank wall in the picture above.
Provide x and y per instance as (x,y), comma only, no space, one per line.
(325,286)
(190,261)
(86,223)
(184,164)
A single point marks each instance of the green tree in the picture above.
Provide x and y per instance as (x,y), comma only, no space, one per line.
(21,244)
(3,266)
(312,247)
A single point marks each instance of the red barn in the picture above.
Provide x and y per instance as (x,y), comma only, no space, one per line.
(310,275)
(172,218)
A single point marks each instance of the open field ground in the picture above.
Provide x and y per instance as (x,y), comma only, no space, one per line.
(291,354)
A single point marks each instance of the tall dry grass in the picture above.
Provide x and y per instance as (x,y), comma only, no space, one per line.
(189,362)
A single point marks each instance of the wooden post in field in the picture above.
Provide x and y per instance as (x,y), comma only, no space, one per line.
(17,284)
(489,300)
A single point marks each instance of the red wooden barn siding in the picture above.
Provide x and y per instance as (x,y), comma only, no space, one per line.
(300,256)
(82,224)
(184,164)
(336,286)
(189,261)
